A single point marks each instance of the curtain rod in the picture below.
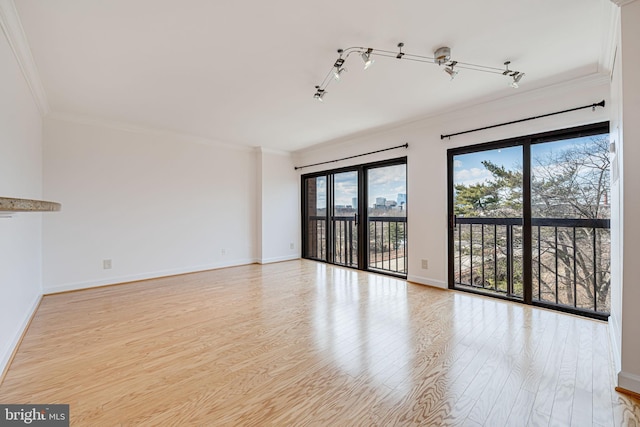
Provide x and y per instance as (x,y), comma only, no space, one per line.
(592,106)
(351,157)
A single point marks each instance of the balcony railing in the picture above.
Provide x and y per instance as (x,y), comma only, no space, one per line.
(571,259)
(345,236)
(387,242)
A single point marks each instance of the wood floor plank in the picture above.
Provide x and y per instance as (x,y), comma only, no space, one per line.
(305,343)
(563,398)
(602,377)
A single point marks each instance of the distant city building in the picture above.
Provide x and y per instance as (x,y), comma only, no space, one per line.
(381,203)
(402,200)
(354,202)
(390,203)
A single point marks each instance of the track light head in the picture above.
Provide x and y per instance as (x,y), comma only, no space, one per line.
(449,70)
(319,94)
(337,72)
(516,75)
(516,79)
(366,57)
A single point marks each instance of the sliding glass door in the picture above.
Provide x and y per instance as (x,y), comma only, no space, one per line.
(488,218)
(570,223)
(315,217)
(387,218)
(357,216)
(344,218)
(529,219)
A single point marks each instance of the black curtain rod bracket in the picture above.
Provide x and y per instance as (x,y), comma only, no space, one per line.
(592,106)
(406,145)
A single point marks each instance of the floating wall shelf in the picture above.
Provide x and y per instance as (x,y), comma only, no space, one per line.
(8,204)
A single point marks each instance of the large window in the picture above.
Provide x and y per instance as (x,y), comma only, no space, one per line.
(530,219)
(357,216)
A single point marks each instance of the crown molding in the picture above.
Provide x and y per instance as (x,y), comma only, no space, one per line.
(13,31)
(622,2)
(145,130)
(610,21)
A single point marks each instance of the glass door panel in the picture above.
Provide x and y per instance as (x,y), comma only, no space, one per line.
(570,210)
(344,218)
(315,218)
(488,221)
(387,218)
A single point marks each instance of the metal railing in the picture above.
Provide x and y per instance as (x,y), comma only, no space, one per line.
(316,239)
(345,238)
(571,259)
(387,242)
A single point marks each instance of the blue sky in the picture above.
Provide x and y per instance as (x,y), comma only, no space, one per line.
(387,182)
(468,168)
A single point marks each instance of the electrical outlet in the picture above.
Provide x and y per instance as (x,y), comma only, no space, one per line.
(106,264)
(425,264)
(291,245)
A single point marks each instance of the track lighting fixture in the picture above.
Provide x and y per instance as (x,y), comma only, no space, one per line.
(516,75)
(338,69)
(366,57)
(319,94)
(338,72)
(449,70)
(441,57)
(516,79)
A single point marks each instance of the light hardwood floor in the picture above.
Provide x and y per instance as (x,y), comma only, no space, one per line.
(303,343)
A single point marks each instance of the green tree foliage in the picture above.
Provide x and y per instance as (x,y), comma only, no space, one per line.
(499,196)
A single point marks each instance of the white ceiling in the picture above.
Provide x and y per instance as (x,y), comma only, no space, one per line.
(244,72)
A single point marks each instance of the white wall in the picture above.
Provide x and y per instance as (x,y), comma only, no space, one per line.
(617,204)
(629,112)
(280,207)
(427,156)
(154,203)
(20,177)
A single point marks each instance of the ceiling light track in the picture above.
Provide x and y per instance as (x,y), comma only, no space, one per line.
(441,57)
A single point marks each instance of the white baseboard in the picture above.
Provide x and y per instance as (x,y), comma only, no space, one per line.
(144,276)
(6,358)
(629,381)
(278,259)
(426,281)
